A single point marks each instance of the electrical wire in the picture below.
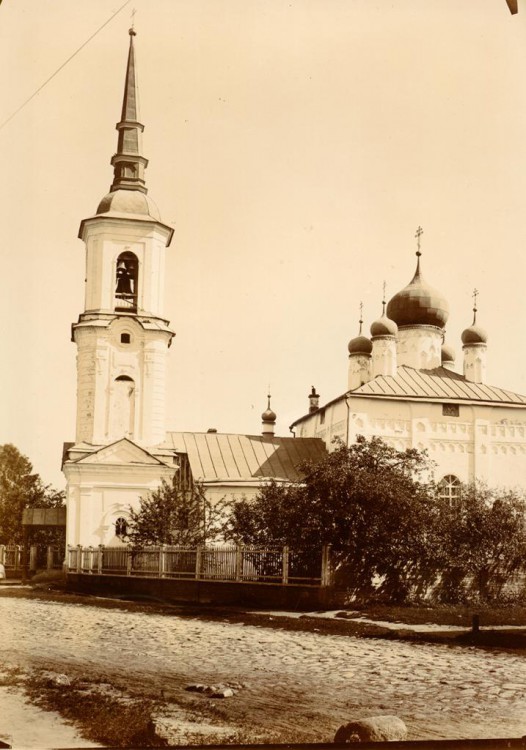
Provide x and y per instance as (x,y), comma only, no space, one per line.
(39,89)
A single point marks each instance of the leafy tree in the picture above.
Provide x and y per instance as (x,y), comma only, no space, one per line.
(368,501)
(176,515)
(481,542)
(20,488)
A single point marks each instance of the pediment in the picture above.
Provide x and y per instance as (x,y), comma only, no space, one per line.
(123,452)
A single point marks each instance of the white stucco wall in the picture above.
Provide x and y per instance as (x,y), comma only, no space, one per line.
(99,494)
(486,442)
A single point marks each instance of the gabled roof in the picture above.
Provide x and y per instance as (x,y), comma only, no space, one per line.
(121,452)
(437,384)
(223,457)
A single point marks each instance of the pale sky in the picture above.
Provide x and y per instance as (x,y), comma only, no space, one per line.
(295,146)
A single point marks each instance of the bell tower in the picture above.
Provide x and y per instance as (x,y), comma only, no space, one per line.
(122,337)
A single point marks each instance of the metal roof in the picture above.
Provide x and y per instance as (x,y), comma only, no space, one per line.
(437,384)
(224,457)
(44,516)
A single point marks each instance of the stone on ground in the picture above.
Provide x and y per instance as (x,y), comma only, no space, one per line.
(374,729)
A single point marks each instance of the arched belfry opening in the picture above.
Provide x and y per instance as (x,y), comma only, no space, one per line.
(126,282)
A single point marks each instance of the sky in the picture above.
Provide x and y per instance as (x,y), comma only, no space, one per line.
(295,146)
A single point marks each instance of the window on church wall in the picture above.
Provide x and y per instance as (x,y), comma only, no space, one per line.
(450,410)
(450,489)
(126,282)
(121,528)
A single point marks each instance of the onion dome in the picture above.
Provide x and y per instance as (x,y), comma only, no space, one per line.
(268,416)
(418,304)
(360,344)
(447,355)
(474,334)
(384,326)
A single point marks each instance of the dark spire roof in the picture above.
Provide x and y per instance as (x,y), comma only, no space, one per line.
(128,163)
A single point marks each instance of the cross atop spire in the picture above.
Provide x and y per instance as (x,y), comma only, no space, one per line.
(419,233)
(128,163)
(361,319)
(383,297)
(475,295)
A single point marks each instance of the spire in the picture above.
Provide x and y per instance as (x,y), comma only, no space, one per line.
(128,164)
(419,233)
(475,295)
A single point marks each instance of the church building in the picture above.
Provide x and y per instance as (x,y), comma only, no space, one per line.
(403,387)
(402,383)
(122,450)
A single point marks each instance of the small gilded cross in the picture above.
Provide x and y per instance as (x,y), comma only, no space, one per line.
(134,11)
(475,295)
(361,316)
(419,233)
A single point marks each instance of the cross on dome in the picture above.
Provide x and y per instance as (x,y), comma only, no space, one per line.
(419,233)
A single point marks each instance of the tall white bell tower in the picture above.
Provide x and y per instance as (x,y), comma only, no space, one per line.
(122,337)
(122,342)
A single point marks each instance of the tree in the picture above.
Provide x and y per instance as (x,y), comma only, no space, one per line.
(175,515)
(20,488)
(368,501)
(480,542)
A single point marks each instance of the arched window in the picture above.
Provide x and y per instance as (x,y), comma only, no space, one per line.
(126,282)
(121,528)
(450,489)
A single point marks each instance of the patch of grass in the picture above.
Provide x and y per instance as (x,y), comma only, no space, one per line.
(106,719)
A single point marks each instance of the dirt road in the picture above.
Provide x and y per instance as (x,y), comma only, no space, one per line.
(298,684)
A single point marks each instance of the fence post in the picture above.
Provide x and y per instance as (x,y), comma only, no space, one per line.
(285,576)
(79,558)
(239,562)
(326,572)
(129,560)
(162,560)
(99,559)
(33,557)
(2,554)
(90,560)
(198,561)
(49,557)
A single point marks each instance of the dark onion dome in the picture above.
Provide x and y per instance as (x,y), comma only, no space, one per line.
(384,326)
(474,334)
(360,345)
(268,415)
(418,304)
(447,354)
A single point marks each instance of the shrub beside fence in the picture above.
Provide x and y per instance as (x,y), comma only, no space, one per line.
(275,565)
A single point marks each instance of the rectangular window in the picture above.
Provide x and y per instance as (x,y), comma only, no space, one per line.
(322,416)
(450,410)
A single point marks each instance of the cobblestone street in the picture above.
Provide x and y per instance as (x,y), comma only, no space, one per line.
(292,679)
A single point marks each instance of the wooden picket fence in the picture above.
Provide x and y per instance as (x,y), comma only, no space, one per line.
(277,565)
